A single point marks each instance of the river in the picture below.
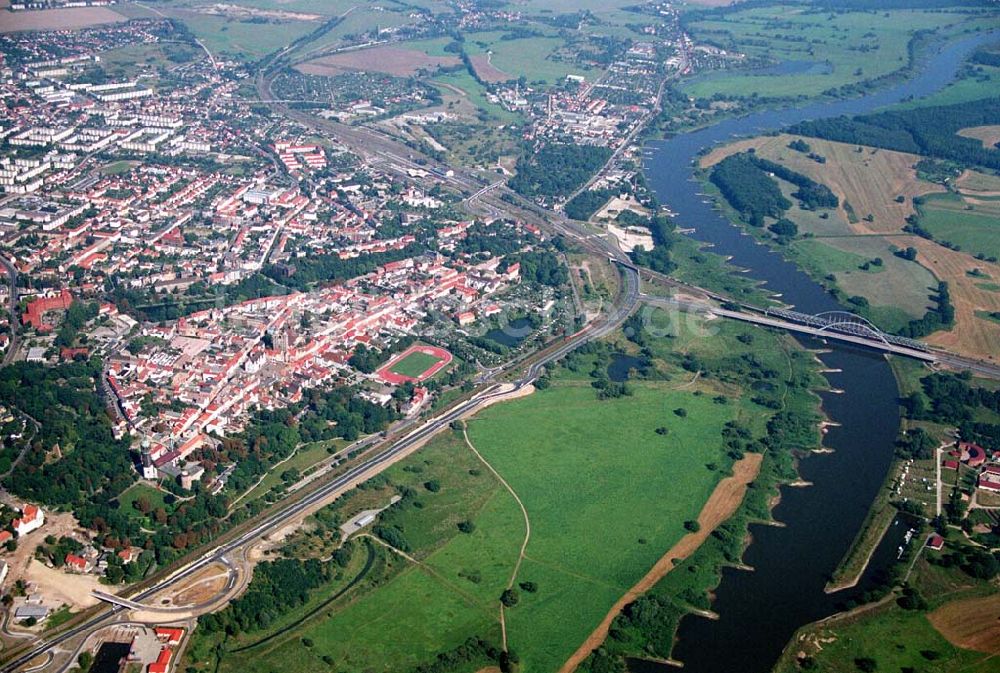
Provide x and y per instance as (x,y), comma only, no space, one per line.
(759,610)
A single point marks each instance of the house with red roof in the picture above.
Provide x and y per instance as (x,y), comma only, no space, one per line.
(162,662)
(935,542)
(949,464)
(972,454)
(168,634)
(989,478)
(31,518)
(77,563)
(35,315)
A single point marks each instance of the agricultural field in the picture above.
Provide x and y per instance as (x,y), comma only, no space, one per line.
(989,136)
(814,51)
(237,36)
(539,59)
(58,19)
(972,223)
(878,190)
(973,183)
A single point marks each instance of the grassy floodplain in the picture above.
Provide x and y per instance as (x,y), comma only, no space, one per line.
(841,49)
(606,494)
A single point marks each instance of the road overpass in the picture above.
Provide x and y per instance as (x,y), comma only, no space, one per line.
(834,330)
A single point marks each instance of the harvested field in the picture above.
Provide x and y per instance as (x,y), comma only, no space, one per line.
(971,335)
(972,624)
(723,151)
(390,60)
(486,71)
(57,19)
(870,180)
(978,184)
(988,135)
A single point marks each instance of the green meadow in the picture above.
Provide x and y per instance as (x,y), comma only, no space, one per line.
(607,485)
(973,227)
(846,47)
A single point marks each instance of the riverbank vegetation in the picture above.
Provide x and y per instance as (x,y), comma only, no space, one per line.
(646,628)
(943,620)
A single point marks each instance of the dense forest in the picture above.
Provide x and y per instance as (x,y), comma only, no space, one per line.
(543,267)
(746,182)
(94,466)
(748,189)
(586,203)
(930,131)
(557,169)
(277,588)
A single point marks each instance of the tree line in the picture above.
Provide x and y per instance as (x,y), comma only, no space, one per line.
(929,131)
(746,182)
(952,399)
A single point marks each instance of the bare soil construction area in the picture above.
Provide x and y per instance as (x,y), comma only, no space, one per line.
(390,60)
(721,505)
(203,586)
(57,19)
(972,624)
(62,588)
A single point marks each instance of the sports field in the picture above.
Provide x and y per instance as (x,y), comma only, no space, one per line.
(416,363)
